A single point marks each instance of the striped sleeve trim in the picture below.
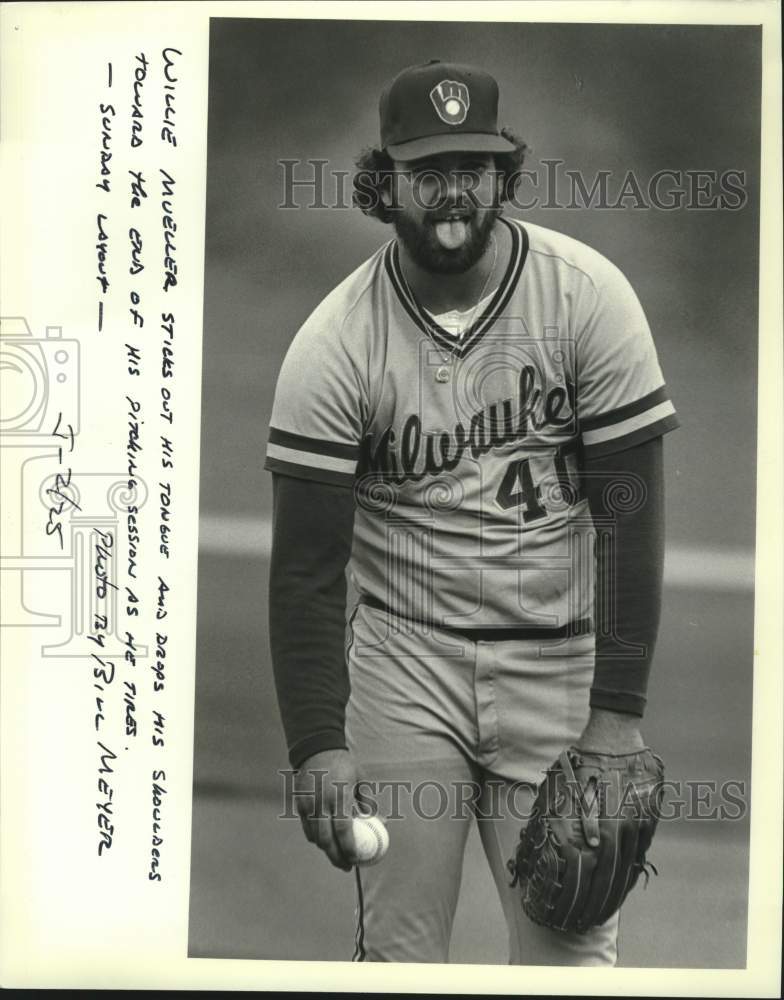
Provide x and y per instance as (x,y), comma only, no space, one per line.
(632,437)
(315,474)
(627,426)
(298,442)
(627,410)
(311,458)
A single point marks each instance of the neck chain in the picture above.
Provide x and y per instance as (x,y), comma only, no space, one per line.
(442,372)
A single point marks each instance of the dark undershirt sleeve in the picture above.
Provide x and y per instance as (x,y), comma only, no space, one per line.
(629,564)
(311,543)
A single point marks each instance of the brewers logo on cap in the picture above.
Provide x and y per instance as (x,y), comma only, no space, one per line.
(451,101)
(463,122)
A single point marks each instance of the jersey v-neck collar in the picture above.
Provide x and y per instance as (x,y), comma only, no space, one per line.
(494,310)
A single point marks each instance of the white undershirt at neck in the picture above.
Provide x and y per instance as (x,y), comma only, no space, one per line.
(456,322)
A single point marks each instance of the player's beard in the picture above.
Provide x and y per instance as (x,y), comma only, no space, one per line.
(421,242)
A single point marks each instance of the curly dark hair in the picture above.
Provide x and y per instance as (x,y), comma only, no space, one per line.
(375,168)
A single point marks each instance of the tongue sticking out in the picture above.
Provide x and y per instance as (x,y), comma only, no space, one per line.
(451,234)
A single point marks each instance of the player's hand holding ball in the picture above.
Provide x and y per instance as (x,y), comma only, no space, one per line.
(331,817)
(324,799)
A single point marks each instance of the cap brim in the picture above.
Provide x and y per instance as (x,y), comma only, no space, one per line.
(450,142)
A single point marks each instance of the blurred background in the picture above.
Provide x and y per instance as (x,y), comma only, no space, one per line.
(599,97)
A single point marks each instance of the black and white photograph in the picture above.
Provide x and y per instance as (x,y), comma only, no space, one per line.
(475,642)
(391,530)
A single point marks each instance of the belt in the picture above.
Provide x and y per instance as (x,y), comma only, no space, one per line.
(502,633)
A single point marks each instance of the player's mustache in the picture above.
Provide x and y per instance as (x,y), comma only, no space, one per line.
(442,213)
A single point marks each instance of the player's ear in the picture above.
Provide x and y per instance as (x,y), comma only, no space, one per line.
(390,181)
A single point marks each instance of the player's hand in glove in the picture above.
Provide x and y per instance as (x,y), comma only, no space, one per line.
(324,795)
(585,844)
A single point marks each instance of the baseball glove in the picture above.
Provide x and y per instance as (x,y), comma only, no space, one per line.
(584,846)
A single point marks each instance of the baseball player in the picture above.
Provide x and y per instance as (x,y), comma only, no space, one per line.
(472,422)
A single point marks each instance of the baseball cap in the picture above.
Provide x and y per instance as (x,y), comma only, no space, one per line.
(440,107)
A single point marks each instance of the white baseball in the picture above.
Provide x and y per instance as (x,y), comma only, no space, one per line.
(371,839)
